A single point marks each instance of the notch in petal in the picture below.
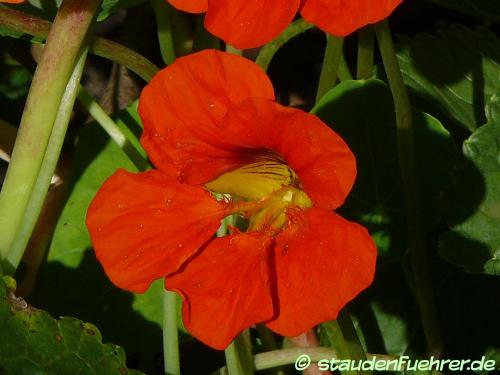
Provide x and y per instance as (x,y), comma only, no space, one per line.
(248,24)
(226,288)
(321,265)
(343,17)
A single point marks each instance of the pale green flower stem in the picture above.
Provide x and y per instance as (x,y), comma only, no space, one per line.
(418,255)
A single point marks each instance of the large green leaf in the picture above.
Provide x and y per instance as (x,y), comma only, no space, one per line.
(459,70)
(362,112)
(485,9)
(473,208)
(33,342)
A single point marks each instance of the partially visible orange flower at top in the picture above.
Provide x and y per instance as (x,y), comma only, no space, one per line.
(252,23)
(12,1)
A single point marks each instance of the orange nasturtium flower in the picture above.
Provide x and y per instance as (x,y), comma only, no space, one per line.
(211,125)
(252,23)
(12,1)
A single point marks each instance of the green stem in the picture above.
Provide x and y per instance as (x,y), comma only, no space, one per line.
(267,52)
(239,358)
(162,12)
(331,63)
(49,84)
(21,23)
(114,132)
(418,256)
(351,338)
(339,341)
(344,73)
(283,357)
(366,47)
(170,334)
(233,50)
(268,343)
(232,360)
(48,166)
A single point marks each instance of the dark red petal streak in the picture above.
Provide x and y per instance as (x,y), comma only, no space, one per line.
(144,226)
(322,263)
(226,288)
(183,104)
(248,24)
(191,6)
(342,17)
(322,160)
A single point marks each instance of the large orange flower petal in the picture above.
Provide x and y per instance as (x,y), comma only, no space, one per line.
(183,104)
(248,24)
(191,6)
(342,17)
(322,263)
(226,288)
(144,226)
(322,160)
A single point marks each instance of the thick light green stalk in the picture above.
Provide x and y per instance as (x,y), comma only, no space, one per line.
(418,256)
(48,167)
(331,63)
(366,46)
(267,52)
(162,11)
(171,358)
(49,83)
(21,23)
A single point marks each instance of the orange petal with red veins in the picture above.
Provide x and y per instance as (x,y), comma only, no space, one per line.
(226,288)
(248,24)
(342,17)
(324,163)
(144,226)
(183,104)
(322,262)
(191,6)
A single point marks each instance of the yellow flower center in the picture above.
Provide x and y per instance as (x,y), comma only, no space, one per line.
(262,192)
